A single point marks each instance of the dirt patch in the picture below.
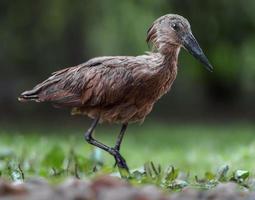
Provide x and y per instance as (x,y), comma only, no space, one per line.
(112,188)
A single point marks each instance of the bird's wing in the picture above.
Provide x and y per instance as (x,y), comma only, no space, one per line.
(100,81)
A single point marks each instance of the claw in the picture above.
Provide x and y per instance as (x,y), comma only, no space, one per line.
(121,163)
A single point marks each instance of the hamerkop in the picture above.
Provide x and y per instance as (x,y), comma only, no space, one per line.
(121,89)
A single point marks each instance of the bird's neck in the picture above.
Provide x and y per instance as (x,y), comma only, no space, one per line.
(169,59)
(163,73)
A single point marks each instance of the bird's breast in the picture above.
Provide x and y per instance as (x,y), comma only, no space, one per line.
(156,84)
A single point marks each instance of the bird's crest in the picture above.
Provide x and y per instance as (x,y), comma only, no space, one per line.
(151,37)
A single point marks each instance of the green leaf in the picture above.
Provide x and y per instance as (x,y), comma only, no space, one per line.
(147,170)
(222,173)
(171,174)
(151,170)
(16,175)
(240,176)
(209,176)
(178,184)
(137,175)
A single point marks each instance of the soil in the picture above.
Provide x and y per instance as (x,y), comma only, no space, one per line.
(112,188)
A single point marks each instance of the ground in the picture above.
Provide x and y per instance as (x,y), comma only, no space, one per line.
(174,157)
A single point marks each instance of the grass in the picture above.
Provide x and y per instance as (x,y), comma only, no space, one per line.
(194,149)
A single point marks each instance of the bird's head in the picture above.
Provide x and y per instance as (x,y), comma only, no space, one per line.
(172,32)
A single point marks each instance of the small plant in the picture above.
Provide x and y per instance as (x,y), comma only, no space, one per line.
(172,179)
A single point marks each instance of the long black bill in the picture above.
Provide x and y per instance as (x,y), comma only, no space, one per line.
(191,45)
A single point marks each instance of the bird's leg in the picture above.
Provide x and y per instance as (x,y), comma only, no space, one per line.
(120,136)
(91,140)
(113,151)
(119,139)
(119,160)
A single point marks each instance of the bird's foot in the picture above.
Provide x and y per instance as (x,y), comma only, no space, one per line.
(121,163)
(118,150)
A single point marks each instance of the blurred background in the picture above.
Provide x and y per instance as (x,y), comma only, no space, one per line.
(43,36)
(40,37)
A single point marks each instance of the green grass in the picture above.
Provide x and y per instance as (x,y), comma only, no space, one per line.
(194,149)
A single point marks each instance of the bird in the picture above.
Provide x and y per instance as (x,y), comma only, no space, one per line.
(121,89)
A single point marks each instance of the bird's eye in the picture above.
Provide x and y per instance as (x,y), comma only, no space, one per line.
(175,26)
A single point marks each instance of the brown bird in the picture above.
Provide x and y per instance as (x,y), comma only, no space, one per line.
(121,89)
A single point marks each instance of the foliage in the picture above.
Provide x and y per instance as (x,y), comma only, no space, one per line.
(173,179)
(56,157)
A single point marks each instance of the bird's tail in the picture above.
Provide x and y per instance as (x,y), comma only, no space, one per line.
(30,95)
(53,90)
(40,92)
